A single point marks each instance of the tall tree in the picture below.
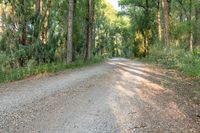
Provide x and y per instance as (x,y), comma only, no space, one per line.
(165,4)
(70,31)
(147,27)
(89,29)
(46,23)
(37,17)
(191,32)
(159,20)
(24,24)
(37,6)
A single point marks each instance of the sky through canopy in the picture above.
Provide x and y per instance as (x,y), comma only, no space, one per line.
(115,4)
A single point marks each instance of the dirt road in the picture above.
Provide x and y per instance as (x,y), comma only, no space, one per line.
(119,96)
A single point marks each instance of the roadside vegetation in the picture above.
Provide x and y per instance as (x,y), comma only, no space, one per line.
(167,33)
(38,36)
(41,36)
(186,62)
(176,58)
(34,69)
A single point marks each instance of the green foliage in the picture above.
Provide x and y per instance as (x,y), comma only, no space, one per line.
(34,41)
(191,65)
(113,34)
(176,58)
(33,69)
(139,48)
(5,63)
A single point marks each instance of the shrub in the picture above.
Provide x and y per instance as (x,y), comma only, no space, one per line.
(176,58)
(33,68)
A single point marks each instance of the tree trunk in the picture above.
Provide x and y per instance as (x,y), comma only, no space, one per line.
(37,7)
(177,42)
(93,25)
(74,47)
(147,28)
(196,29)
(70,31)
(191,33)
(36,20)
(165,5)
(159,22)
(191,41)
(89,34)
(2,21)
(46,23)
(24,33)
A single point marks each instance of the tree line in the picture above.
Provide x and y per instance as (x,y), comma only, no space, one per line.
(170,22)
(37,32)
(45,31)
(45,24)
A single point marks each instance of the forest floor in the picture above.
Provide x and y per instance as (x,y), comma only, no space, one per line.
(118,96)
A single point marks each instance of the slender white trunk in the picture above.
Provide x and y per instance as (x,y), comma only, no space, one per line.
(191,33)
(159,23)
(191,41)
(177,42)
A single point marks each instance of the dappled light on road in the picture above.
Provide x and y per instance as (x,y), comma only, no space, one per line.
(143,103)
(119,96)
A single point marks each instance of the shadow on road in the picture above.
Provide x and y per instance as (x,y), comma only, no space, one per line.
(161,101)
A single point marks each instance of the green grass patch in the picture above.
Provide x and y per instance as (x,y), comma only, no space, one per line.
(24,72)
(184,61)
(176,58)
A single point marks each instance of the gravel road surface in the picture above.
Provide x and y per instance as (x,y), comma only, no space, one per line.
(118,96)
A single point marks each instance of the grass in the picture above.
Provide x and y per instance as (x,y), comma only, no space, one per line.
(25,72)
(184,61)
(176,58)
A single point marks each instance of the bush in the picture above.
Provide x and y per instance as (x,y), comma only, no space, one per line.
(5,63)
(191,64)
(176,58)
(33,68)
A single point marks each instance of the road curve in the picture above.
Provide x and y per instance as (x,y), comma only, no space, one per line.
(118,96)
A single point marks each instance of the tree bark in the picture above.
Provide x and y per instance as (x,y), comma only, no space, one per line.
(46,23)
(89,34)
(74,47)
(70,31)
(159,22)
(37,15)
(165,5)
(93,25)
(196,29)
(24,32)
(147,28)
(37,7)
(191,32)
